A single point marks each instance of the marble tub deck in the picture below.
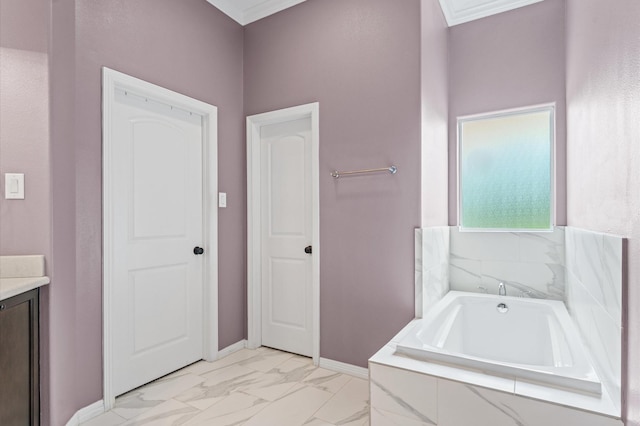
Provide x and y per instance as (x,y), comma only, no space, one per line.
(250,387)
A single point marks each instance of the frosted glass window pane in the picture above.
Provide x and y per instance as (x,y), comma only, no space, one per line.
(506,170)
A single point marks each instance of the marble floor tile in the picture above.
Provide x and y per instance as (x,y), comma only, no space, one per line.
(232,410)
(218,384)
(296,365)
(139,400)
(266,359)
(169,413)
(203,367)
(269,387)
(349,406)
(327,380)
(292,409)
(317,422)
(107,419)
(249,387)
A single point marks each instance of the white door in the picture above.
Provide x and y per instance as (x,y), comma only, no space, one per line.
(157,223)
(286,218)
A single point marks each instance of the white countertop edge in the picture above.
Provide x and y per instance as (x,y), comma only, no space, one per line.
(386,356)
(10,287)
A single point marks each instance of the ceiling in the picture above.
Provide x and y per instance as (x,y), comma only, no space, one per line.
(247,11)
(455,11)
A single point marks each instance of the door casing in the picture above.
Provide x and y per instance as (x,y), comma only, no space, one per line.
(254,208)
(111,80)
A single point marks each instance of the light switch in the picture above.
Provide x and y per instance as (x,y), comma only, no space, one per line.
(14,186)
(222,199)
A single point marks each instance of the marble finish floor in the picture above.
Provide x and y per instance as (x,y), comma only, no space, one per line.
(262,387)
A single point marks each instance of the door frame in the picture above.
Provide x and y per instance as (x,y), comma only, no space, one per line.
(112,80)
(254,228)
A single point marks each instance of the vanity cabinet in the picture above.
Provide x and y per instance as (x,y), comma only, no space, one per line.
(19,366)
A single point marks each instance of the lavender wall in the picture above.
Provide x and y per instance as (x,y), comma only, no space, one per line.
(361,60)
(191,48)
(25,225)
(187,46)
(58,394)
(24,25)
(24,124)
(603,183)
(512,59)
(24,148)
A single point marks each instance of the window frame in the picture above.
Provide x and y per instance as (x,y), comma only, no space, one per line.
(461,120)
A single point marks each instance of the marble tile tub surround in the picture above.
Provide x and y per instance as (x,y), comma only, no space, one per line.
(529,263)
(580,267)
(395,381)
(400,397)
(431,266)
(250,387)
(594,264)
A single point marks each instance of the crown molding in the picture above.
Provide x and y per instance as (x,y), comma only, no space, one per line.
(461,11)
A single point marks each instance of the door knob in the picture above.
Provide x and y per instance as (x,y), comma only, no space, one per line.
(307,249)
(198,250)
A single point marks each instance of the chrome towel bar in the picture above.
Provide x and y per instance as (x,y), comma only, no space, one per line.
(391,169)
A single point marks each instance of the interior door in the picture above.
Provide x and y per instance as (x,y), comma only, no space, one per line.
(157,214)
(286,218)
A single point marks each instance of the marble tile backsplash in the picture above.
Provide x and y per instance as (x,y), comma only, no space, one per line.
(22,266)
(431,266)
(594,267)
(531,264)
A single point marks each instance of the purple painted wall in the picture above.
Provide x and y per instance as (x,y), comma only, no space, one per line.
(25,225)
(603,178)
(58,392)
(512,59)
(24,24)
(189,47)
(24,125)
(24,148)
(361,60)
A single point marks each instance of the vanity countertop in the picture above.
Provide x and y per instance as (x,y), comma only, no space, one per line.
(19,274)
(10,287)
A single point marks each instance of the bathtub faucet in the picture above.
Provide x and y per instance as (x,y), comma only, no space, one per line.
(502,289)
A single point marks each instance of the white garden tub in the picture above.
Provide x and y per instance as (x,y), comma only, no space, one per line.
(531,339)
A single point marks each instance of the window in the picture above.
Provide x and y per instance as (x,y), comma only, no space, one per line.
(505,170)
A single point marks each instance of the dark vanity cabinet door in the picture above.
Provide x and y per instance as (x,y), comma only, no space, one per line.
(19,384)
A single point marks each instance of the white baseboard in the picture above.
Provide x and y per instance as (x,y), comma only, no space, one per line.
(231,349)
(87,413)
(341,367)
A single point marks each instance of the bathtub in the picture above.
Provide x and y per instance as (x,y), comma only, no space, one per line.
(528,339)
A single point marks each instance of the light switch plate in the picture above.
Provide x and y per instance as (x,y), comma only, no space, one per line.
(14,186)
(222,199)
